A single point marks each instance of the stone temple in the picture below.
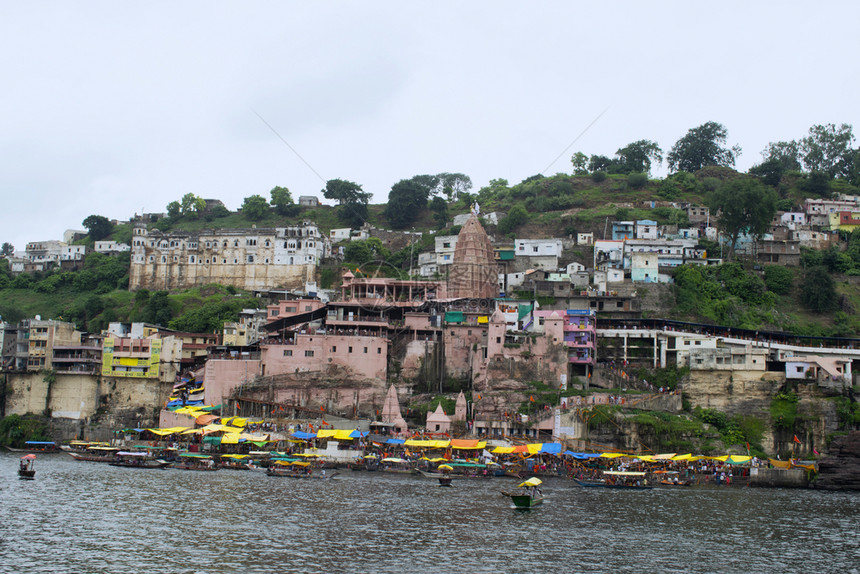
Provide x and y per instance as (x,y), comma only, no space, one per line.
(474,272)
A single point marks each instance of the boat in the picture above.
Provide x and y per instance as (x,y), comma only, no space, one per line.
(527,494)
(138,459)
(297,469)
(35,446)
(25,467)
(95,454)
(235,461)
(195,461)
(617,479)
(397,466)
(679,483)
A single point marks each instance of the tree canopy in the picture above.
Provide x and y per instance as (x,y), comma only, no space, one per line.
(351,198)
(702,146)
(98,227)
(408,198)
(742,205)
(282,201)
(255,207)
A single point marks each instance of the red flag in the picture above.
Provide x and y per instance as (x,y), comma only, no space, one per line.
(797,440)
(815,451)
(479,397)
(531,398)
(322,408)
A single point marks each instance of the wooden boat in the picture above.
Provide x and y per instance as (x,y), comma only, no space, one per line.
(95,454)
(527,494)
(194,461)
(298,470)
(397,466)
(138,459)
(673,483)
(36,446)
(25,467)
(602,483)
(445,480)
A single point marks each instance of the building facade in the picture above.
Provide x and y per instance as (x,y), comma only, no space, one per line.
(264,258)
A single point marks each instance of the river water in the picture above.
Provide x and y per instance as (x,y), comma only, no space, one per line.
(89,517)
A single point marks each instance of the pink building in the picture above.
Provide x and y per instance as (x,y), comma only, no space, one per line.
(580,336)
(365,356)
(291,307)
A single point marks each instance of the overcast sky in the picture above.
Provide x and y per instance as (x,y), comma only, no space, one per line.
(115,108)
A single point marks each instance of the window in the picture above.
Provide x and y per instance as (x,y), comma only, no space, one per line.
(379,350)
(534,249)
(698,342)
(334,349)
(250,259)
(288,353)
(498,339)
(350,349)
(365,350)
(309,353)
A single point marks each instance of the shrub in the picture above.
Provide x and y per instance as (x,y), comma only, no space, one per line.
(637,180)
(598,176)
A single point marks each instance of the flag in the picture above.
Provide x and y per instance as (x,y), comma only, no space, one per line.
(748,448)
(322,408)
(797,440)
(531,398)
(479,397)
(815,451)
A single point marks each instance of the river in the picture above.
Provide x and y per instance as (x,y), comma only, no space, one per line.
(89,517)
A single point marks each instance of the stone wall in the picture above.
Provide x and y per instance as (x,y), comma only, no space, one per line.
(109,401)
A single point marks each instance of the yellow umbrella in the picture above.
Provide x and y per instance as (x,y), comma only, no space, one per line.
(533,481)
(445,467)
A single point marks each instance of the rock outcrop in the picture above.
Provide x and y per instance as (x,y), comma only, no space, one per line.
(840,470)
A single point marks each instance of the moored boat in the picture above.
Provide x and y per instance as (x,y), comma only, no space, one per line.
(617,479)
(195,461)
(138,459)
(95,454)
(37,446)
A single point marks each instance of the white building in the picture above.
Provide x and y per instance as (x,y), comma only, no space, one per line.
(111,247)
(44,251)
(340,234)
(73,253)
(537,247)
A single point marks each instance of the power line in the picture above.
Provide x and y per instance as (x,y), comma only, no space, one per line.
(576,139)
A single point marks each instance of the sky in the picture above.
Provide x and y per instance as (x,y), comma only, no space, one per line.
(117,108)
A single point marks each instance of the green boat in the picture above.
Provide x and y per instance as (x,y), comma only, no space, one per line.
(527,494)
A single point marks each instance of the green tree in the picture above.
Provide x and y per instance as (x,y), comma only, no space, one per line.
(191,204)
(407,199)
(598,163)
(174,209)
(702,146)
(778,279)
(351,198)
(786,154)
(742,205)
(7,250)
(818,290)
(515,217)
(453,185)
(770,172)
(439,207)
(580,163)
(98,227)
(827,148)
(496,189)
(283,202)
(636,157)
(255,207)
(816,184)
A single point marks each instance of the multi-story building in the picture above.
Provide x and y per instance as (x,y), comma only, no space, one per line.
(82,358)
(111,247)
(44,251)
(153,357)
(42,337)
(284,257)
(247,330)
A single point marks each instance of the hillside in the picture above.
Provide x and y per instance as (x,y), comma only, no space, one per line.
(556,206)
